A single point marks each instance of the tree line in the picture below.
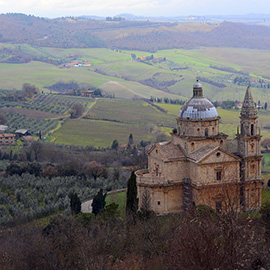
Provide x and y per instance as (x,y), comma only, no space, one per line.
(200,239)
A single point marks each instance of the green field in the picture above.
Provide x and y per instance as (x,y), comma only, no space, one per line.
(127,111)
(117,74)
(112,119)
(99,133)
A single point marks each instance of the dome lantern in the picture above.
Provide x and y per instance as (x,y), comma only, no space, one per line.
(197,89)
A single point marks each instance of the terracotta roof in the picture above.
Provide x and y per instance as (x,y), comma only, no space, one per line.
(29,138)
(7,135)
(202,153)
(168,151)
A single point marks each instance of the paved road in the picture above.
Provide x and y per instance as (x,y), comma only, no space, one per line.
(86,207)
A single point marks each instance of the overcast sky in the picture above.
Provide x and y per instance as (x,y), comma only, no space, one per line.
(59,8)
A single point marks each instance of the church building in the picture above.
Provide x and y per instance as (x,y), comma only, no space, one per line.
(199,165)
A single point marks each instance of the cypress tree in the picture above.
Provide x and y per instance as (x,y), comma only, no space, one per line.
(132,200)
(98,202)
(130,139)
(75,203)
(115,145)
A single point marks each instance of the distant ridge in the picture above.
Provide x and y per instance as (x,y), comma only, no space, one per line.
(142,34)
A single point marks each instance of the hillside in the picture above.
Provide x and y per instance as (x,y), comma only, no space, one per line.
(224,72)
(75,32)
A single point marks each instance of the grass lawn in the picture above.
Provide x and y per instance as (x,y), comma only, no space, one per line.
(266,162)
(118,198)
(265,196)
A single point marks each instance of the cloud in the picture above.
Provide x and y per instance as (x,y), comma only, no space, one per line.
(79,4)
(144,7)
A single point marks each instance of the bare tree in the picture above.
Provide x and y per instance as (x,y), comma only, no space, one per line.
(76,110)
(29,90)
(146,200)
(37,148)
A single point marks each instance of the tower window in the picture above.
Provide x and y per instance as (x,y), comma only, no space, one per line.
(252,130)
(218,176)
(206,132)
(158,202)
(156,170)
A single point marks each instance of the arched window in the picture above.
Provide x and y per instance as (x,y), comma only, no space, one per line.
(252,130)
(206,132)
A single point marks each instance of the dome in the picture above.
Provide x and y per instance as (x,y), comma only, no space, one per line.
(198,106)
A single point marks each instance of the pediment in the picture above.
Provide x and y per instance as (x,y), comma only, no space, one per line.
(218,155)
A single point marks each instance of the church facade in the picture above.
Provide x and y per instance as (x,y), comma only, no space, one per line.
(199,165)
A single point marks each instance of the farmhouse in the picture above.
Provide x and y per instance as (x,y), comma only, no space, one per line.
(87,93)
(7,138)
(199,165)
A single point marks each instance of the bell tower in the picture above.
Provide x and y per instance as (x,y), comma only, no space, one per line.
(249,149)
